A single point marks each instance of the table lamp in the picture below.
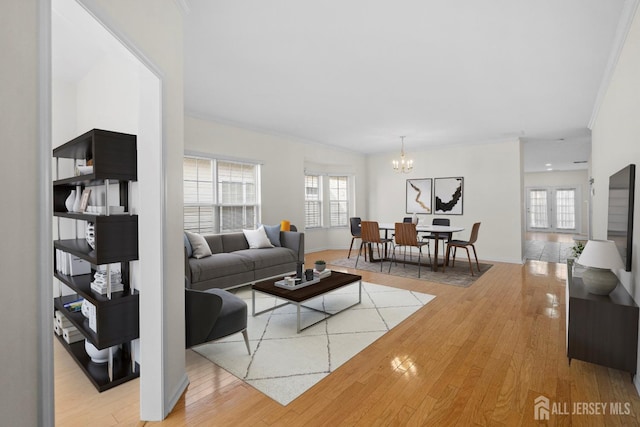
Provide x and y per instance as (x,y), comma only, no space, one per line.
(600,257)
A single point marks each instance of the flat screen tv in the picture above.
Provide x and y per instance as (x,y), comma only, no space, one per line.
(620,220)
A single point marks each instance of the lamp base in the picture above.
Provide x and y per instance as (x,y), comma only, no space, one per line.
(599,281)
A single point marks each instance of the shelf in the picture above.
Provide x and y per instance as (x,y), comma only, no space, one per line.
(82,286)
(117,323)
(98,373)
(114,155)
(116,240)
(92,217)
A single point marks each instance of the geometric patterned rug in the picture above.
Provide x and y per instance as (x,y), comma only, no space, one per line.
(284,364)
(459,275)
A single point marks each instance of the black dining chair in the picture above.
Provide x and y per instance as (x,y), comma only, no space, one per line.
(445,237)
(356,232)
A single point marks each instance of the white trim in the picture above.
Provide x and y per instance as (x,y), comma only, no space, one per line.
(629,10)
(46,391)
(210,156)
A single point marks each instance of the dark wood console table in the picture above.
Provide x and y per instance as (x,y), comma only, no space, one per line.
(601,329)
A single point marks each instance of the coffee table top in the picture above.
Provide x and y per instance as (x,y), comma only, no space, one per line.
(335,281)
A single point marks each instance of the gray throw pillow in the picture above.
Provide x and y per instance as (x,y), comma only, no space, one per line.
(187,245)
(273,233)
(199,245)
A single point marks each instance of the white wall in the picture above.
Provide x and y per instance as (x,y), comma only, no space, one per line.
(23,390)
(492,192)
(132,100)
(616,143)
(579,179)
(283,162)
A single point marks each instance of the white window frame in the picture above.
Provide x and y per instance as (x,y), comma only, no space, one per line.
(327,200)
(216,204)
(311,200)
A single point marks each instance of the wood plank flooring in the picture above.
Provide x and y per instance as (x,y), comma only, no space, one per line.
(473,356)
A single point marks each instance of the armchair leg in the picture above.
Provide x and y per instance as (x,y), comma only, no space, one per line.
(246,340)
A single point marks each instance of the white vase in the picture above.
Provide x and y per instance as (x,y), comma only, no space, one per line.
(76,203)
(68,203)
(98,356)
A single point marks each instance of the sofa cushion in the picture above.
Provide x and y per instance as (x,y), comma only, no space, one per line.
(187,245)
(273,233)
(199,245)
(257,239)
(267,258)
(219,265)
(232,242)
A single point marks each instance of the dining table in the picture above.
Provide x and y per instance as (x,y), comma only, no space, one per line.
(437,230)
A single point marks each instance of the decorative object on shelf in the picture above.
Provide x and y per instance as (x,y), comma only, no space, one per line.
(403,165)
(90,234)
(320,265)
(84,170)
(76,203)
(68,203)
(418,196)
(96,355)
(84,200)
(448,193)
(600,257)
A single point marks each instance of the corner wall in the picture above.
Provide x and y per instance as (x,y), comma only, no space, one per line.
(616,143)
(492,192)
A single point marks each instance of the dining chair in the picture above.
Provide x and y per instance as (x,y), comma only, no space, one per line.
(371,234)
(445,237)
(407,236)
(356,233)
(455,244)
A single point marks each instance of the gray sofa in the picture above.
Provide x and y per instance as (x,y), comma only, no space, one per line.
(233,264)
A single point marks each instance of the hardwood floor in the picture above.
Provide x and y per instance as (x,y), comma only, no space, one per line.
(473,356)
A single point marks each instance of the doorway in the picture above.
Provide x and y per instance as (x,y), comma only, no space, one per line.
(553,209)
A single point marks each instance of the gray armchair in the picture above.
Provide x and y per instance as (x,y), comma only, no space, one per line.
(214,314)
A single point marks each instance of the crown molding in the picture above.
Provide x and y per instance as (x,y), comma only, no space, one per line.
(624,25)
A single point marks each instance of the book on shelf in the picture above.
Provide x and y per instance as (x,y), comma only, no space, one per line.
(74,306)
(72,334)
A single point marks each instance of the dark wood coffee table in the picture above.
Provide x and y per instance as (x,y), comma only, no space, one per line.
(299,296)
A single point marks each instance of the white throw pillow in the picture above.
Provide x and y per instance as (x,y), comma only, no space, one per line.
(199,245)
(257,239)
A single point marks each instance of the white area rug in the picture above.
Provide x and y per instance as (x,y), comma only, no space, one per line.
(285,364)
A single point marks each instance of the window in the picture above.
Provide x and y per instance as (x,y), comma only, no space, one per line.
(566,209)
(312,202)
(336,191)
(232,204)
(338,201)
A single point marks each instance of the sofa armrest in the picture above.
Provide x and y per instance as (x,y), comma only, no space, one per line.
(294,241)
(201,312)
(187,269)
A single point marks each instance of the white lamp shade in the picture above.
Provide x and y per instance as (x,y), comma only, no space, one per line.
(601,254)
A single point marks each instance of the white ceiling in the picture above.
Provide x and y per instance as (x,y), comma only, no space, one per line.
(360,73)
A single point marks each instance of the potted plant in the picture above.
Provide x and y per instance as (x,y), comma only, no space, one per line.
(320,265)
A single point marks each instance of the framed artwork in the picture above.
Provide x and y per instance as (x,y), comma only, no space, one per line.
(84,201)
(448,194)
(419,196)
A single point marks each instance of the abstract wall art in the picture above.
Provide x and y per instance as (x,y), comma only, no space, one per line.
(419,196)
(448,195)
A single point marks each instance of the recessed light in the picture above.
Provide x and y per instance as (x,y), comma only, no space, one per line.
(549,169)
(548,165)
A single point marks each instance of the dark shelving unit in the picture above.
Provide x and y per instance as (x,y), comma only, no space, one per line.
(114,158)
